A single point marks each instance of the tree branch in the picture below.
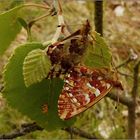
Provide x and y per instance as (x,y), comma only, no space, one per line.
(31,127)
(132,109)
(135,82)
(122,99)
(80,133)
(25,129)
(98,16)
(128,60)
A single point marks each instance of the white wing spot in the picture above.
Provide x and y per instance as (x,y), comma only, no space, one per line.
(87,98)
(78,104)
(64,114)
(100,78)
(108,85)
(97,92)
(75,100)
(103,84)
(66,81)
(89,85)
(70,95)
(66,88)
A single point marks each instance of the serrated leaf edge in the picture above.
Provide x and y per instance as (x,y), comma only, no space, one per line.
(38,78)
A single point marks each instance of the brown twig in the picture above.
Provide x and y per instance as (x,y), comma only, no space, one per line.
(25,129)
(132,109)
(122,99)
(36,5)
(52,12)
(80,133)
(31,127)
(132,57)
(98,16)
(128,60)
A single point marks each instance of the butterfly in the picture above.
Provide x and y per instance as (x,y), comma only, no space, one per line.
(67,52)
(83,88)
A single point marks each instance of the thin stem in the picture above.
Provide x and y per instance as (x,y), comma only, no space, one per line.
(124,74)
(31,23)
(37,5)
(132,57)
(29,34)
(62,28)
(37,19)
(128,60)
(41,17)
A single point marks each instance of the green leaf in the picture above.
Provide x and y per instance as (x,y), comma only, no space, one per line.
(98,54)
(36,67)
(9,28)
(29,100)
(23,23)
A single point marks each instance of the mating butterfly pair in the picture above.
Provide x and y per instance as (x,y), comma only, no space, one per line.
(83,86)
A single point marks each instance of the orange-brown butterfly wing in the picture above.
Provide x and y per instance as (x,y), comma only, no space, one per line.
(82,89)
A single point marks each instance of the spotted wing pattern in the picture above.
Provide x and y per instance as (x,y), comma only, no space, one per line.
(68,52)
(83,88)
